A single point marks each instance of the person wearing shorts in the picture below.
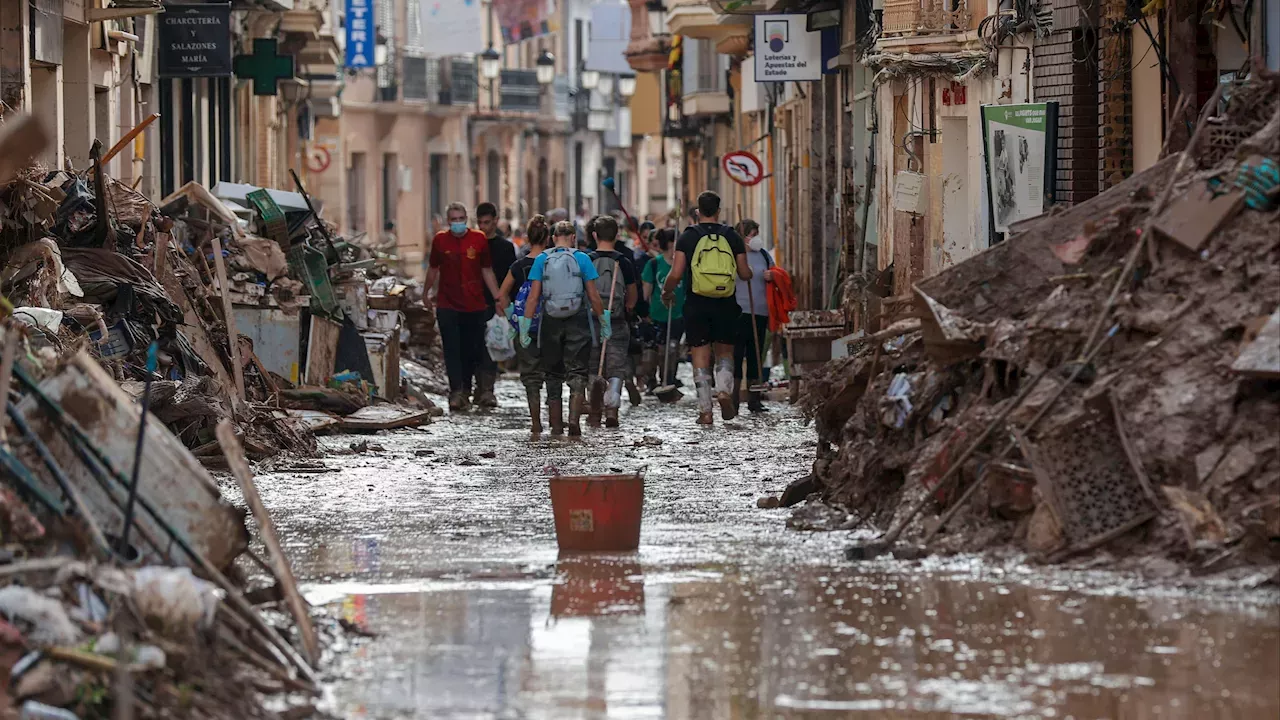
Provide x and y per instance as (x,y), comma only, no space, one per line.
(710,323)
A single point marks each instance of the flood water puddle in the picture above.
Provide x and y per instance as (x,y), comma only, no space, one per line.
(450,558)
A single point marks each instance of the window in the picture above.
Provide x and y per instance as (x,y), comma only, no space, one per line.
(390,188)
(355,194)
(439,176)
(493,175)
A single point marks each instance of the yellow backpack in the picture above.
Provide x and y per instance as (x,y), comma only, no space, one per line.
(715,269)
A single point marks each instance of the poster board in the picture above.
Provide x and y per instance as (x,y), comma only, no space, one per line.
(1020,148)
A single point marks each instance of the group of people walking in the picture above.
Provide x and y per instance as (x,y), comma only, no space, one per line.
(602,318)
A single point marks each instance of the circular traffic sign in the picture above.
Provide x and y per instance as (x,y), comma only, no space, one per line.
(318,158)
(743,167)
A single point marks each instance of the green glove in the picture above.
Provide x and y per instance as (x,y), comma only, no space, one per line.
(525,324)
(606,325)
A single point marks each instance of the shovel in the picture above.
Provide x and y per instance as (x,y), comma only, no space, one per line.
(601,385)
(668,393)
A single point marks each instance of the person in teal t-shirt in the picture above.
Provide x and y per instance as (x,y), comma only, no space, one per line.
(669,322)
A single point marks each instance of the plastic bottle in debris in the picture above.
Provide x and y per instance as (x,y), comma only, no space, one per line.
(32,710)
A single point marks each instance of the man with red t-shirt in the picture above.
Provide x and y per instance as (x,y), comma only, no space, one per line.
(459,260)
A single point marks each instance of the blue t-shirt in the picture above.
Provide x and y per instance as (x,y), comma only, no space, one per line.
(584,264)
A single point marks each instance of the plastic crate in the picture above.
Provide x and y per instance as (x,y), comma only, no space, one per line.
(272,216)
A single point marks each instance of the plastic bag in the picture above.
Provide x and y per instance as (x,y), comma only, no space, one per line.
(499,339)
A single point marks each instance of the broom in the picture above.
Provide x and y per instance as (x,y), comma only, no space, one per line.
(600,386)
(668,393)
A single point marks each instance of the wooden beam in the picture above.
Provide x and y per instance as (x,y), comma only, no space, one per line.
(280,564)
(233,337)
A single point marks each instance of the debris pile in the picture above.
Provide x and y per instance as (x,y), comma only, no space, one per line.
(118,596)
(1109,375)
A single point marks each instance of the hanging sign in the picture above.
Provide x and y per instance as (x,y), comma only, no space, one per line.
(360,35)
(742,167)
(785,50)
(194,41)
(1021,144)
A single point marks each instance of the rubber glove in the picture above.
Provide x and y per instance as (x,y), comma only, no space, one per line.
(525,325)
(606,325)
(510,310)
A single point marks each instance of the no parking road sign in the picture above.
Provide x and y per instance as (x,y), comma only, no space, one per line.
(743,167)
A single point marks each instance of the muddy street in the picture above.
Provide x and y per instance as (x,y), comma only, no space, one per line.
(440,541)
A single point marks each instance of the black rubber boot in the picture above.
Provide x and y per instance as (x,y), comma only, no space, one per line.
(535,410)
(577,399)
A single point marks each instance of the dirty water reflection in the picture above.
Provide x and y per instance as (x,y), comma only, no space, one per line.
(722,613)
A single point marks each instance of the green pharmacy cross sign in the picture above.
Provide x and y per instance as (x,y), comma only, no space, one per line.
(265,66)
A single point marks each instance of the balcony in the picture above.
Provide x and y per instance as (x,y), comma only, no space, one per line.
(439,81)
(519,91)
(706,86)
(926,17)
(646,52)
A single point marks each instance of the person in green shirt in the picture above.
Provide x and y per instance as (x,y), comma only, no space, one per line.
(668,322)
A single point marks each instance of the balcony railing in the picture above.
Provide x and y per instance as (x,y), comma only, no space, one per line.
(926,17)
(463,86)
(418,80)
(520,91)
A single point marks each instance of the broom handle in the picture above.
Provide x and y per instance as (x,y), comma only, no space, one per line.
(755,331)
(604,342)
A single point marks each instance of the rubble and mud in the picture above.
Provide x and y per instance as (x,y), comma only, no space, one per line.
(1090,381)
(141,345)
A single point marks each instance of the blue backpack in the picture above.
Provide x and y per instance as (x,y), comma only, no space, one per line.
(521,301)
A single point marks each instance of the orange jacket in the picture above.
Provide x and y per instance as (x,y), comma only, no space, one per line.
(782,299)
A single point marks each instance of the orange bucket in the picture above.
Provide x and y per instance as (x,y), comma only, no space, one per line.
(598,512)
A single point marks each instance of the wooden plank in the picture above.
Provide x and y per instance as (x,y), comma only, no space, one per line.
(193,325)
(171,478)
(322,350)
(384,417)
(1261,358)
(280,564)
(229,315)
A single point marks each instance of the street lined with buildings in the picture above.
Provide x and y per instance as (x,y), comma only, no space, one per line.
(901,358)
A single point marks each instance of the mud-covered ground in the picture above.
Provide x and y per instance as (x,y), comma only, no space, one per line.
(442,543)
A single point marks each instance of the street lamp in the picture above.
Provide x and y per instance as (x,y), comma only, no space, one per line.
(657,17)
(546,68)
(627,85)
(605,85)
(589,79)
(490,63)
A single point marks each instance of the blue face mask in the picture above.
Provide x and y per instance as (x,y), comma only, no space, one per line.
(458,228)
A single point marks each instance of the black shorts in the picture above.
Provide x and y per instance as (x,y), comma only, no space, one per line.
(711,320)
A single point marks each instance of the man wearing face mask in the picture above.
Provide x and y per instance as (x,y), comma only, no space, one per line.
(459,261)
(754,301)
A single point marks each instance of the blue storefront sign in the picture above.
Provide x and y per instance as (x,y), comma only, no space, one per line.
(360,33)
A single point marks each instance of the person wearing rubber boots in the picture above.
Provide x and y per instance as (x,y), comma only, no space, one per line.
(716,259)
(563,286)
(667,322)
(513,297)
(617,285)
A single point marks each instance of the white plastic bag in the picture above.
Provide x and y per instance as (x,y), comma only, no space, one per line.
(499,338)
